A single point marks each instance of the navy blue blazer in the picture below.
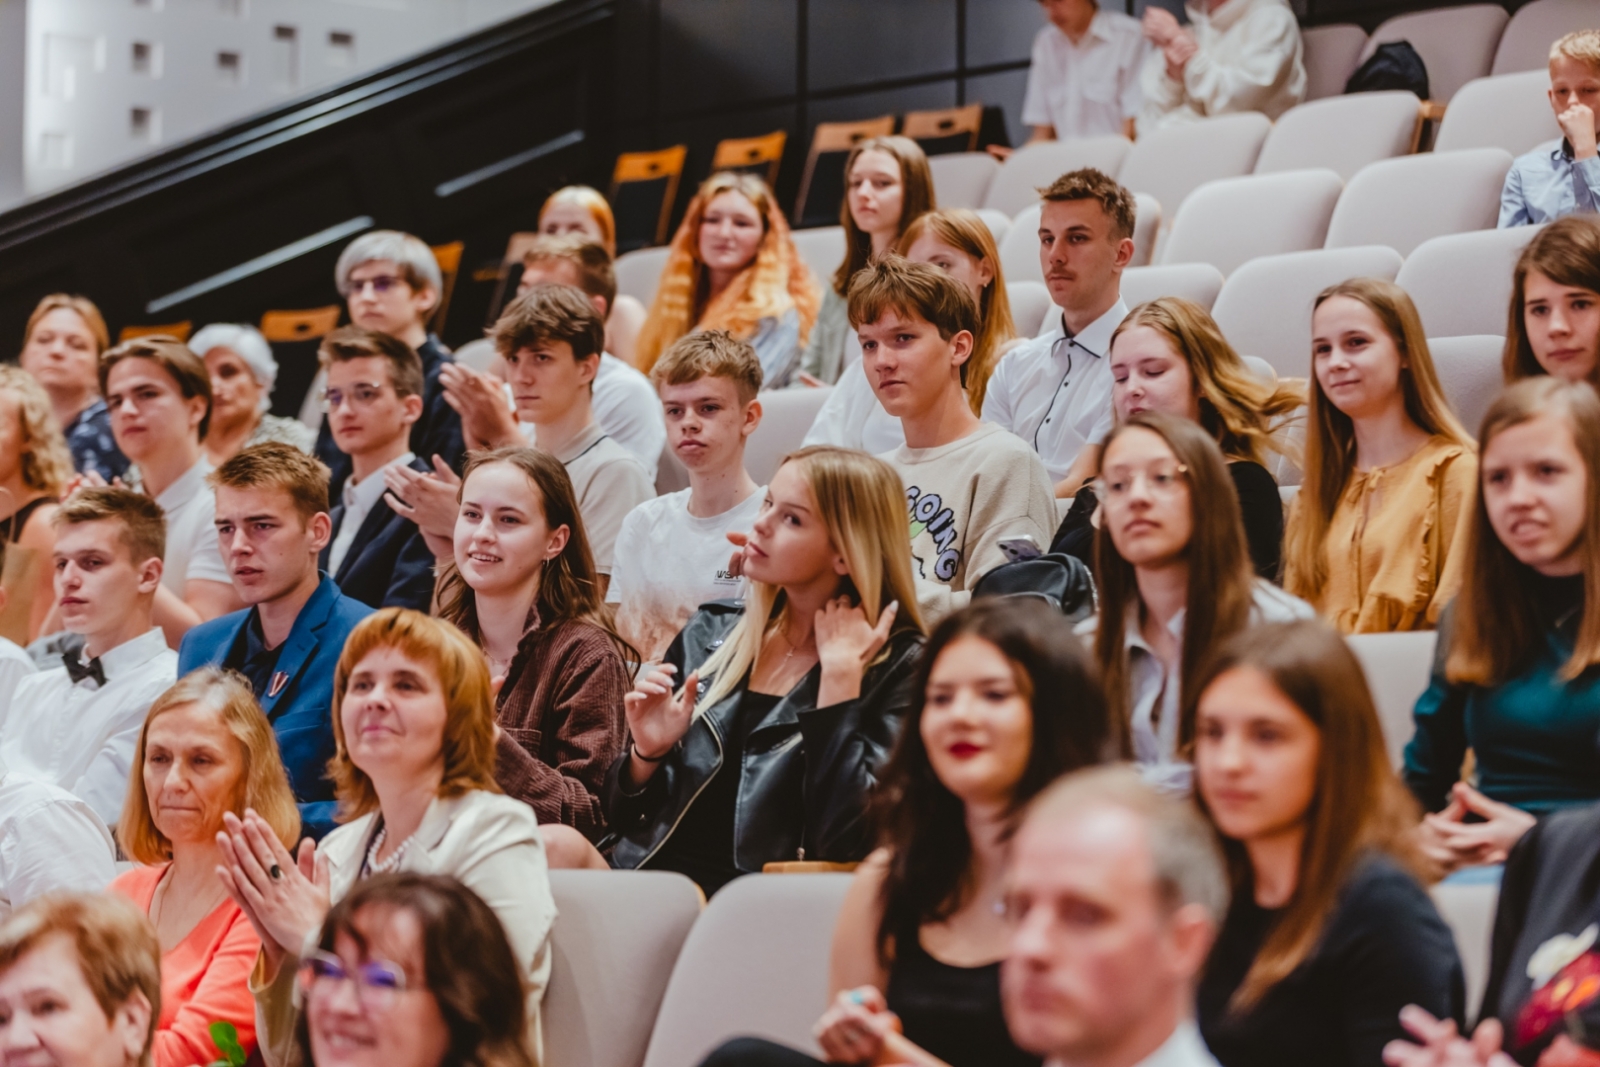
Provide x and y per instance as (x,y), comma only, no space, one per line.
(301,711)
(389,565)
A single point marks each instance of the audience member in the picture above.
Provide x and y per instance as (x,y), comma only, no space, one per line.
(243,372)
(35,466)
(206,749)
(61,348)
(1169,356)
(888,186)
(523,587)
(80,983)
(970,485)
(1330,932)
(50,841)
(1512,681)
(1562,177)
(1234,55)
(983,735)
(77,725)
(377,554)
(1084,78)
(672,550)
(414,721)
(579,211)
(1054,391)
(15,663)
(732,266)
(272,519)
(1173,574)
(1554,323)
(1373,539)
(436,982)
(961,244)
(159,395)
(804,688)
(1114,895)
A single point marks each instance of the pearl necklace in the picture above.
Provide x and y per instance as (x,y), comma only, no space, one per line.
(390,864)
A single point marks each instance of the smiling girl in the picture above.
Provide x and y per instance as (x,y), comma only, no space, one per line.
(1554,323)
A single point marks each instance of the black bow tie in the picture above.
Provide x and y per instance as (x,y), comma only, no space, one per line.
(78,671)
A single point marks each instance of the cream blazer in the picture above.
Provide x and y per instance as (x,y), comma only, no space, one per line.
(487,841)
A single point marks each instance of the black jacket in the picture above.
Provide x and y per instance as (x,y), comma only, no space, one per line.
(805,778)
(389,565)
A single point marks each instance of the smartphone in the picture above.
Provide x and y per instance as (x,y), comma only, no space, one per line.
(1020,548)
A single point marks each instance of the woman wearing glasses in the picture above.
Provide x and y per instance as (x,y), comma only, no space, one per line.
(1173,573)
(414,773)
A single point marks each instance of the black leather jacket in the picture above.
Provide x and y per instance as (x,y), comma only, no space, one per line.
(804,777)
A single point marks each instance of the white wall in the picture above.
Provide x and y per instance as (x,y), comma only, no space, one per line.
(109,80)
(13,79)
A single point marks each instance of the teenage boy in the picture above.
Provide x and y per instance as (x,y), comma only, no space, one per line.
(391,284)
(273,522)
(1054,391)
(159,395)
(1562,177)
(672,552)
(969,484)
(1084,78)
(77,725)
(373,399)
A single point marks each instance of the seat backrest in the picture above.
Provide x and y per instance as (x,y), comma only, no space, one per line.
(1030,305)
(639,273)
(822,182)
(756,963)
(644,186)
(1397,668)
(1146,224)
(1265,309)
(1172,162)
(1330,54)
(940,132)
(613,947)
(999,223)
(822,249)
(1468,908)
(1456,43)
(786,415)
(761,156)
(1461,282)
(1034,166)
(1229,221)
(1510,111)
(1342,133)
(1403,202)
(1470,372)
(1019,252)
(961,179)
(1200,282)
(1525,44)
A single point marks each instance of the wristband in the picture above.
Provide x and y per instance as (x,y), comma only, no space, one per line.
(647,759)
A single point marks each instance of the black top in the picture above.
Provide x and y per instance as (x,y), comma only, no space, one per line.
(1384,946)
(18,521)
(702,846)
(251,657)
(952,1012)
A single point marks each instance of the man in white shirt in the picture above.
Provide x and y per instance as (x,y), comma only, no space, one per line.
(1117,991)
(49,841)
(1054,391)
(1084,79)
(1235,55)
(672,552)
(77,725)
(159,396)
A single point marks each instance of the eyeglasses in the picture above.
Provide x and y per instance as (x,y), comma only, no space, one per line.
(379,983)
(359,395)
(1163,480)
(381,284)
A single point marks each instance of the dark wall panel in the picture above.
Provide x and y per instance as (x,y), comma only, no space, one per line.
(1003,90)
(850,44)
(718,52)
(1002,31)
(939,94)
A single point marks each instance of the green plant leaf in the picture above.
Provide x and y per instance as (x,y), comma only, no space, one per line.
(226,1037)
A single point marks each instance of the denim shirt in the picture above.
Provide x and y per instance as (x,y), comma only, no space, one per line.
(1548,183)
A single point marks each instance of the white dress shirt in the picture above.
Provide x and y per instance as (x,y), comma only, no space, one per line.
(81,736)
(1249,59)
(1088,89)
(1185,1048)
(15,665)
(1054,391)
(192,549)
(359,499)
(49,840)
(852,417)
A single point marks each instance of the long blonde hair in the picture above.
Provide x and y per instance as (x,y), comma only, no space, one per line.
(1330,434)
(46,459)
(964,231)
(863,508)
(775,281)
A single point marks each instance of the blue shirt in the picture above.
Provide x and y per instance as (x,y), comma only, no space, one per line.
(92,446)
(1548,183)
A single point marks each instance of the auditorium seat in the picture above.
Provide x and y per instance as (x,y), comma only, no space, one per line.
(1019,252)
(1525,44)
(616,937)
(1342,133)
(1470,371)
(1461,282)
(639,272)
(1456,43)
(786,415)
(1030,306)
(1017,183)
(1468,908)
(822,249)
(1510,111)
(1199,282)
(756,964)
(1171,163)
(1146,224)
(1330,55)
(999,223)
(1230,221)
(1265,308)
(1397,668)
(961,179)
(1403,202)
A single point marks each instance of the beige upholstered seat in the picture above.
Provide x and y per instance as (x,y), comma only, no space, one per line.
(1171,163)
(1461,282)
(1032,166)
(822,249)
(1230,221)
(1030,305)
(1019,252)
(1456,43)
(786,415)
(961,179)
(1330,54)
(1147,223)
(1510,111)
(999,222)
(1525,44)
(639,273)
(1469,910)
(1397,668)
(1200,282)
(1470,372)
(1341,133)
(1403,202)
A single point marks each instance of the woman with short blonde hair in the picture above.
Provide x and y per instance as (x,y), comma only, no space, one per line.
(61,348)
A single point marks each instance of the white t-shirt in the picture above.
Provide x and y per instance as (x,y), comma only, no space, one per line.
(1088,89)
(608,482)
(668,563)
(628,409)
(192,550)
(852,417)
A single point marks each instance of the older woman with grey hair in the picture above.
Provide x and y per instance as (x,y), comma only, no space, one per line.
(243,372)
